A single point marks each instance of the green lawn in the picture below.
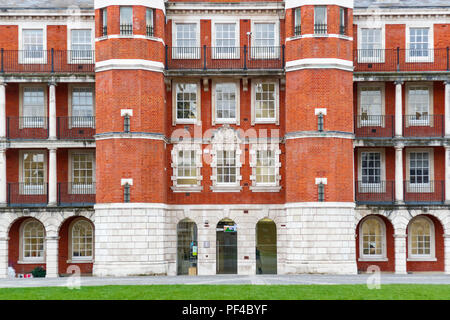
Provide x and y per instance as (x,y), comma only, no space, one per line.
(232,292)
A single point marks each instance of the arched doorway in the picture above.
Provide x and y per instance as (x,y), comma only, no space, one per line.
(266,247)
(226,247)
(187,247)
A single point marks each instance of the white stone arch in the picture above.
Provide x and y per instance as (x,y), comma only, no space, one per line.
(89,215)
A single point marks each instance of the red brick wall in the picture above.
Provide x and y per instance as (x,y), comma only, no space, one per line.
(10,37)
(385,266)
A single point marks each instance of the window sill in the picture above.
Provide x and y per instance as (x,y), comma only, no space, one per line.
(232,188)
(180,189)
(265,188)
(268,121)
(421,259)
(373,259)
(31,262)
(80,261)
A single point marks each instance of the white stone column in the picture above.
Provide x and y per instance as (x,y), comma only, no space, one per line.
(447,253)
(2,110)
(398,109)
(399,173)
(4,257)
(447,109)
(3,185)
(52,110)
(400,253)
(52,178)
(447,174)
(51,254)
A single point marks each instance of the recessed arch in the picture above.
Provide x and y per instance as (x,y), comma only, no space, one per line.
(266,247)
(187,247)
(226,247)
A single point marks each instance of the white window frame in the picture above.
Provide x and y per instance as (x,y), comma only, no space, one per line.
(326,19)
(198,52)
(236,52)
(22,86)
(372,187)
(372,25)
(262,55)
(425,122)
(33,26)
(132,21)
(88,124)
(369,123)
(214,118)
(422,25)
(424,187)
(263,146)
(82,188)
(196,120)
(226,139)
(422,257)
(186,146)
(70,58)
(30,260)
(84,259)
(275,120)
(32,189)
(373,257)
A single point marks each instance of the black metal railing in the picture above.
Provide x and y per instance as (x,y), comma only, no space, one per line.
(218,58)
(27,127)
(379,192)
(27,194)
(47,61)
(76,194)
(297,30)
(105,31)
(370,126)
(342,30)
(421,125)
(149,31)
(320,28)
(76,127)
(126,29)
(426,192)
(368,60)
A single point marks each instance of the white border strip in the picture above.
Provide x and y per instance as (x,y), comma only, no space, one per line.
(129,64)
(319,63)
(298,3)
(157,4)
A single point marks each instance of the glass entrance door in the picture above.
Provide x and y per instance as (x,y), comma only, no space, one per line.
(266,247)
(187,248)
(226,248)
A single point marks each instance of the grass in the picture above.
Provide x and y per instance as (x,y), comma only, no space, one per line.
(232,292)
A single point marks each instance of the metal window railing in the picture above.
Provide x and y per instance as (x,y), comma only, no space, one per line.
(375,192)
(126,29)
(27,128)
(149,31)
(423,125)
(342,30)
(218,58)
(427,191)
(105,31)
(27,194)
(76,194)
(76,127)
(297,30)
(396,60)
(320,28)
(374,126)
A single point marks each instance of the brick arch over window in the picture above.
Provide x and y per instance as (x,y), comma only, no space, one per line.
(65,244)
(15,246)
(435,262)
(388,263)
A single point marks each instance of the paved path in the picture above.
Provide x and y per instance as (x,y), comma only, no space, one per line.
(232,279)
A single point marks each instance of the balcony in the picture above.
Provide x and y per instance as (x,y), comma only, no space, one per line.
(27,194)
(29,128)
(431,192)
(368,126)
(75,194)
(420,125)
(47,61)
(76,128)
(224,58)
(382,192)
(401,60)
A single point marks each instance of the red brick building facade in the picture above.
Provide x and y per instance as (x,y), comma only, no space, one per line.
(210,137)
